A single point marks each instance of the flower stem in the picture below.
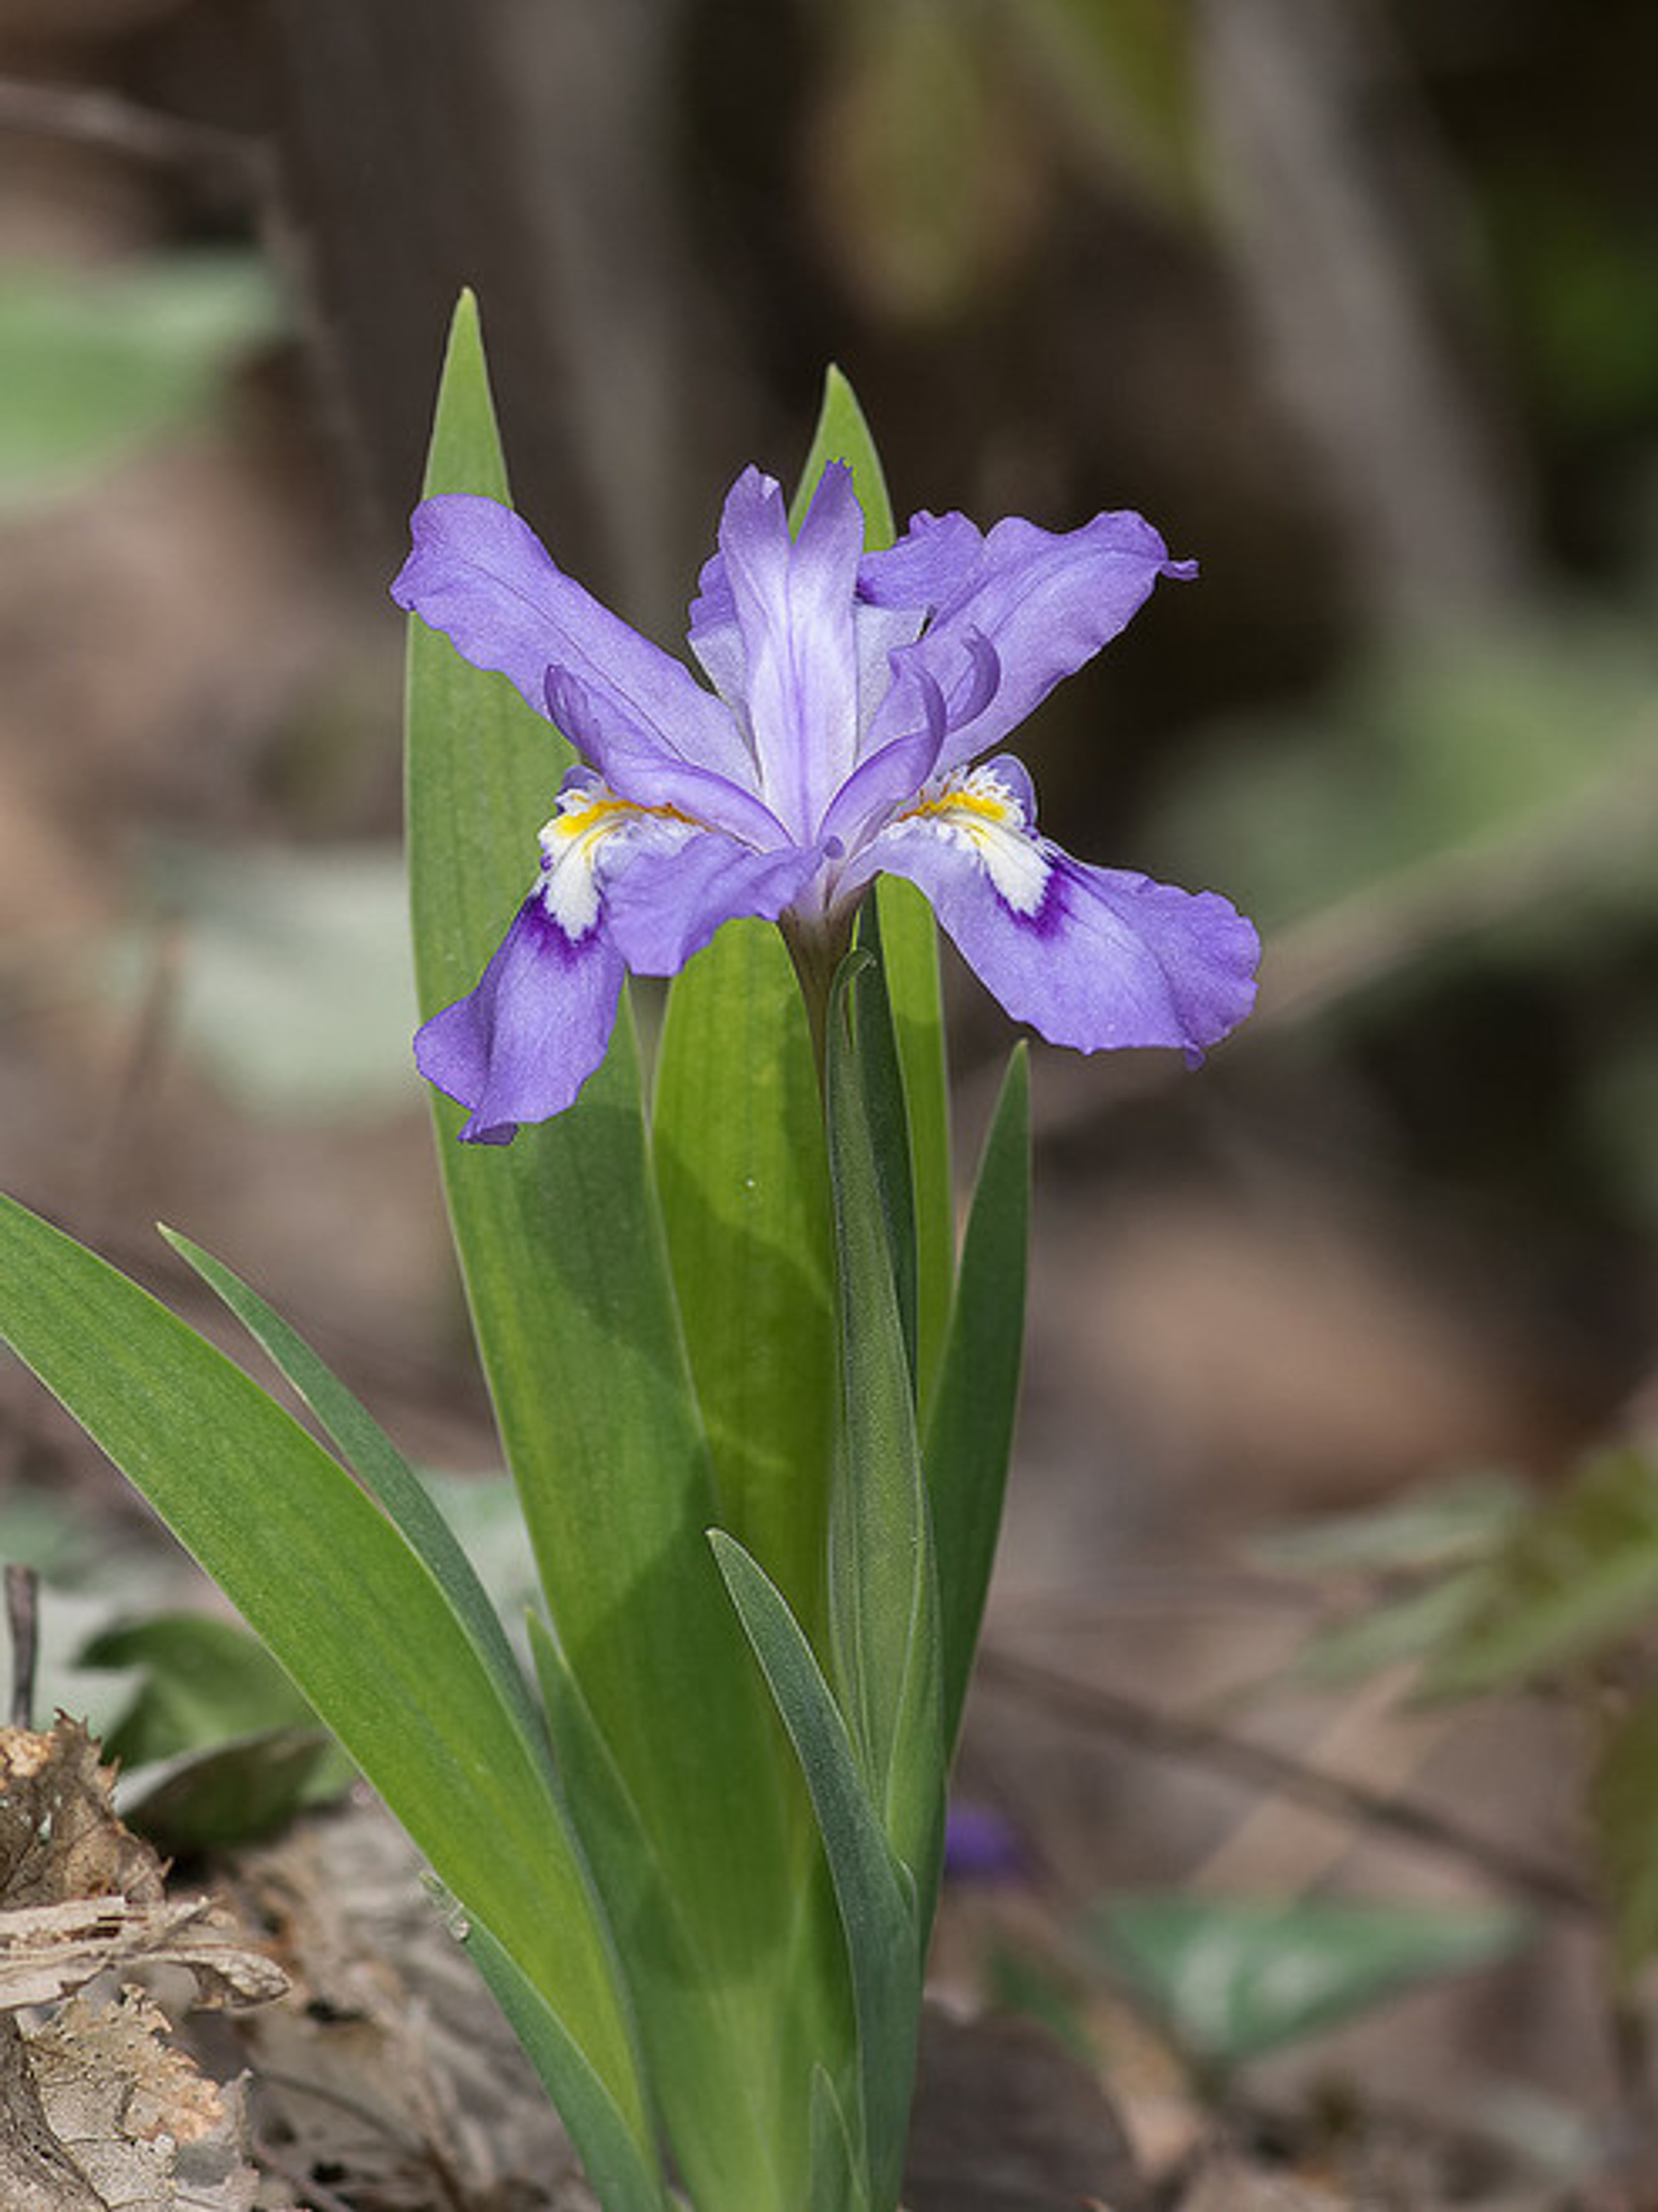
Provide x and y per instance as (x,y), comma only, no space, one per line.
(817,952)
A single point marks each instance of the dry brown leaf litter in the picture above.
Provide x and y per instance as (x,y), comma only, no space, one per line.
(98,2112)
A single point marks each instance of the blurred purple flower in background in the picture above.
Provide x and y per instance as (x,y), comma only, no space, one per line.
(982,1846)
(854,694)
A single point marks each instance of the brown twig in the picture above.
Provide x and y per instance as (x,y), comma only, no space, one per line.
(89,117)
(1178,1736)
(23,1624)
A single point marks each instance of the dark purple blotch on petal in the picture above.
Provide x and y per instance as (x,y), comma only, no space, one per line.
(1105,959)
(519,1046)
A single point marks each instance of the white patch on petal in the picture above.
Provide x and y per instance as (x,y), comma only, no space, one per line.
(980,811)
(588,816)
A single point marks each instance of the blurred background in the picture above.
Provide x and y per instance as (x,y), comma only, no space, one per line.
(1357,300)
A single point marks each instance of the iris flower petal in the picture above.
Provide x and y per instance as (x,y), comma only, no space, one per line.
(519,1046)
(481,576)
(630,763)
(931,564)
(793,603)
(716,639)
(665,896)
(881,779)
(715,636)
(1045,601)
(1093,958)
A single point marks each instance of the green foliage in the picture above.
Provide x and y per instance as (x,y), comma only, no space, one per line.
(1437,1524)
(836,2184)
(868,1008)
(1578,1572)
(300,1549)
(1391,1630)
(843,433)
(909,957)
(1421,1564)
(1623,1812)
(97,368)
(234,1793)
(291,970)
(1487,1589)
(217,1747)
(1485,1592)
(877,1903)
(737,1140)
(1231,1979)
(969,1436)
(619,2164)
(884,1598)
(202,1682)
(383,1470)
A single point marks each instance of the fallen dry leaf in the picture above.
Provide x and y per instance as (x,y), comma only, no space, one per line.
(48,1951)
(149,2132)
(97,2113)
(59,1837)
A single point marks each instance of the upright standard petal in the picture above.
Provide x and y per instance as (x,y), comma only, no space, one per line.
(519,1046)
(792,600)
(481,576)
(716,639)
(1044,601)
(1093,958)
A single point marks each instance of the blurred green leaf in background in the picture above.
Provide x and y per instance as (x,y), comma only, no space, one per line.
(288,972)
(95,367)
(1232,1978)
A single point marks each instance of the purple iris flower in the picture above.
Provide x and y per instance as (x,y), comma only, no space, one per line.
(855,696)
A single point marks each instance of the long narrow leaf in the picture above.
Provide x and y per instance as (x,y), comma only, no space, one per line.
(909,956)
(738,1134)
(970,1435)
(842,435)
(884,1602)
(836,2184)
(342,1600)
(625,2179)
(876,1910)
(887,1115)
(381,1467)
